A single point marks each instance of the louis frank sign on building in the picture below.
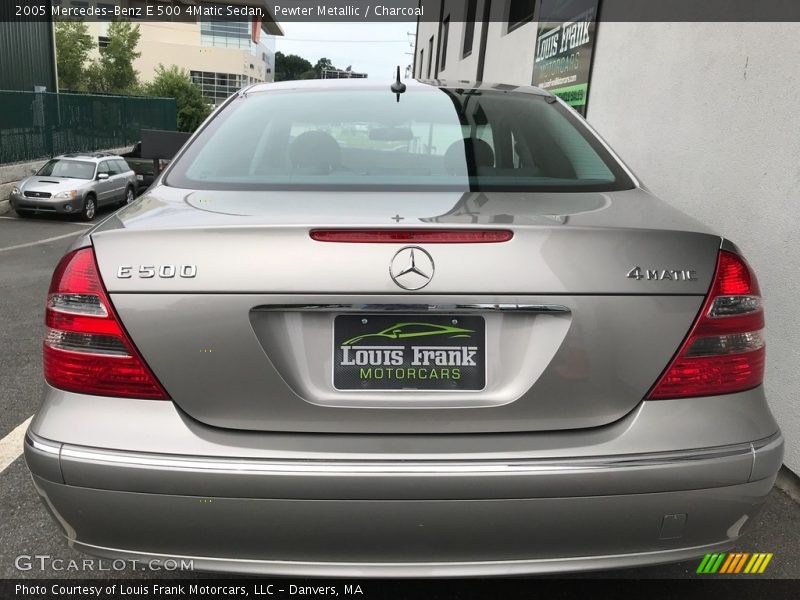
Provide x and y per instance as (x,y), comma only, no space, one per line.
(563,61)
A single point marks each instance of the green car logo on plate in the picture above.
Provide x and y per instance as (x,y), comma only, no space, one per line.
(400,331)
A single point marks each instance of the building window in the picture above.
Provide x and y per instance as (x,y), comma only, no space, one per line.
(519,12)
(103,42)
(469,28)
(430,56)
(421,61)
(225,34)
(217,87)
(445,36)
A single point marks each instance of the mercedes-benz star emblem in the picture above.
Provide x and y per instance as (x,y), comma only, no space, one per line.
(411,268)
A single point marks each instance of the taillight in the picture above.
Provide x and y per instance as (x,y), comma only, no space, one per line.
(724,351)
(86,349)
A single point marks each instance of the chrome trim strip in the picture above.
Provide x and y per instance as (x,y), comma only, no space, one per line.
(399,467)
(767,441)
(414,569)
(42,445)
(444,308)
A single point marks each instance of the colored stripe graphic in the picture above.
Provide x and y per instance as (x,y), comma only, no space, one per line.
(711,563)
(703,564)
(758,563)
(765,563)
(718,563)
(735,562)
(726,566)
(740,564)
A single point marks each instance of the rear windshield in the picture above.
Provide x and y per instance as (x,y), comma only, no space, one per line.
(433,138)
(73,169)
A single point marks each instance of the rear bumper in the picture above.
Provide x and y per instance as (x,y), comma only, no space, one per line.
(404,518)
(139,478)
(384,538)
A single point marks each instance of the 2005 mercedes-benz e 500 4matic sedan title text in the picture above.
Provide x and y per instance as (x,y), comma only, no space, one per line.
(353,330)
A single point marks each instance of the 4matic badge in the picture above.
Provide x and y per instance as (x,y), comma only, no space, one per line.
(638,273)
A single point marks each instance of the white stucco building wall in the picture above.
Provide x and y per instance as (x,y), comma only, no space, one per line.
(508,56)
(706,114)
(218,61)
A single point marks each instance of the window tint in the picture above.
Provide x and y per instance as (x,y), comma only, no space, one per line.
(432,139)
(122,166)
(104,167)
(74,169)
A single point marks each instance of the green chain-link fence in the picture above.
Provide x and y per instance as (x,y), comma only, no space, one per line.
(39,125)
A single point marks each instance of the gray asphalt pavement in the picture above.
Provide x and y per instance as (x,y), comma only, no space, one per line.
(24,277)
(26,263)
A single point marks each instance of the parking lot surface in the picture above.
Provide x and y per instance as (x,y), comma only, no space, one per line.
(29,250)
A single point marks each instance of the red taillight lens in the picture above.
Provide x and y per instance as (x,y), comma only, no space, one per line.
(724,352)
(427,236)
(86,349)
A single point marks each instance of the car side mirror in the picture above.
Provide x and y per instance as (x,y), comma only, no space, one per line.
(102,176)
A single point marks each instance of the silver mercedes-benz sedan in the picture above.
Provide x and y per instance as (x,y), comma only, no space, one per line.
(434,329)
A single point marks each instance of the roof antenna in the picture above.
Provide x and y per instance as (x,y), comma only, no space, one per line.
(398,87)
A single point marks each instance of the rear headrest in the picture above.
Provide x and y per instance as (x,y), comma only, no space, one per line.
(459,154)
(315,152)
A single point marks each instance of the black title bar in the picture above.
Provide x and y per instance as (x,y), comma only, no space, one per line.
(394,10)
(408,589)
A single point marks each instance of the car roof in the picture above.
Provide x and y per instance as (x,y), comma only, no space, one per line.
(90,156)
(380,84)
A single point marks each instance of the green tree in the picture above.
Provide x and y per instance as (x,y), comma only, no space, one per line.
(73,44)
(322,64)
(114,72)
(291,66)
(175,83)
(95,77)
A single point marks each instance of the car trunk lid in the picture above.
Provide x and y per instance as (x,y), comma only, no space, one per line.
(234,306)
